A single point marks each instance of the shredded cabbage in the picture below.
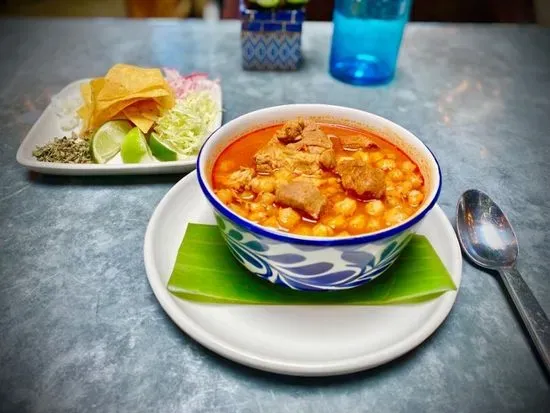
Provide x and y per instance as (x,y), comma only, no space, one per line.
(186,125)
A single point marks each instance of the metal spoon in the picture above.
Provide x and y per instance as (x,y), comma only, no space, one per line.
(488,239)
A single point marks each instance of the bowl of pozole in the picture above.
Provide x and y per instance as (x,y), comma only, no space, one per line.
(317,197)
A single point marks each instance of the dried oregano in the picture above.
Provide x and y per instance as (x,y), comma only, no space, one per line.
(65,150)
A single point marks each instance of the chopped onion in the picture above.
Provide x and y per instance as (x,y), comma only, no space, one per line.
(65,110)
(182,85)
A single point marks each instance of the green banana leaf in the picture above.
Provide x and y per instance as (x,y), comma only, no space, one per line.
(205,271)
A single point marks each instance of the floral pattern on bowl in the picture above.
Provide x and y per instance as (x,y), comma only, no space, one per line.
(303,267)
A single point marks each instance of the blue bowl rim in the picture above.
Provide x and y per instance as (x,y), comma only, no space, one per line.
(315,241)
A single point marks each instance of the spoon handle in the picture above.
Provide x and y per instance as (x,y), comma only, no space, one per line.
(531,312)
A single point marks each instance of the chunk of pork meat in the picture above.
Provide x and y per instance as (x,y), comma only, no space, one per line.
(356,142)
(367,182)
(240,179)
(291,131)
(302,196)
(273,157)
(328,159)
(313,140)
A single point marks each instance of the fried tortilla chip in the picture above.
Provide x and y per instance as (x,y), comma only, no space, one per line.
(123,80)
(147,108)
(135,113)
(139,120)
(126,91)
(85,110)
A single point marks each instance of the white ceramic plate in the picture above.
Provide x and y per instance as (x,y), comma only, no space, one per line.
(48,127)
(297,340)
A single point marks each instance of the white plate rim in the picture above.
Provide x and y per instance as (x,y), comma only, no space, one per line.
(24,152)
(345,366)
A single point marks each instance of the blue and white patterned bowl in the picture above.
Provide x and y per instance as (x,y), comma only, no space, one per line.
(315,263)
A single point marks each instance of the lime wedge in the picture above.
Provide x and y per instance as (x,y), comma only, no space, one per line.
(161,150)
(107,139)
(134,148)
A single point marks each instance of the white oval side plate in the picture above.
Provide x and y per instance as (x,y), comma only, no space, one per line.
(296,340)
(47,127)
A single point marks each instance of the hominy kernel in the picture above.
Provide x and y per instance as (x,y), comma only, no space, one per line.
(347,206)
(407,209)
(339,196)
(416,181)
(337,223)
(395,216)
(408,166)
(239,210)
(321,230)
(288,218)
(398,191)
(363,156)
(375,207)
(357,224)
(225,195)
(330,190)
(271,222)
(272,210)
(256,207)
(396,175)
(386,164)
(303,230)
(262,184)
(282,176)
(376,156)
(402,189)
(393,200)
(415,198)
(257,216)
(266,198)
(407,186)
(373,224)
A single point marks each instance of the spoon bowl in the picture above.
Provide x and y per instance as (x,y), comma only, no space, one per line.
(484,231)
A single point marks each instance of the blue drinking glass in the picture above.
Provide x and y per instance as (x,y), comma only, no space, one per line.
(366,39)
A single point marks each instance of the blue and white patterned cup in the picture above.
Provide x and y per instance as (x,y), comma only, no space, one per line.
(306,262)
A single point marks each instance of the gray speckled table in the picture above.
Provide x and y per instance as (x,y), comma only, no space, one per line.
(80,328)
